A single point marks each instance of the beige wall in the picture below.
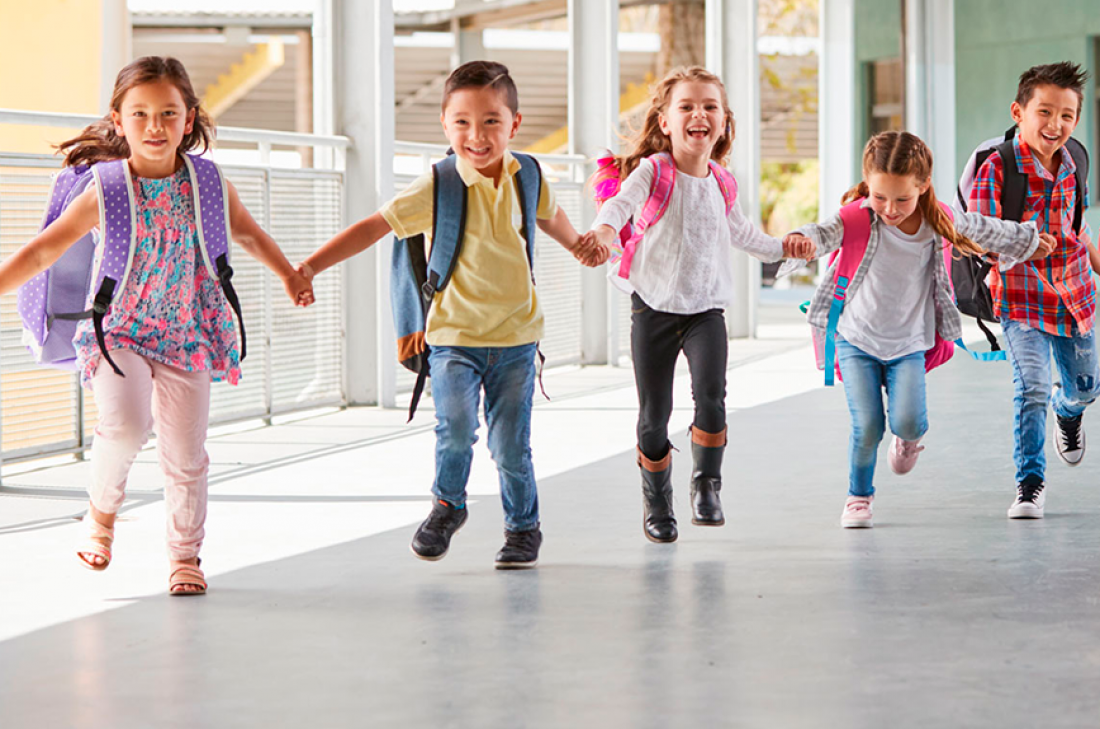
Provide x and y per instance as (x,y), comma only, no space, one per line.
(50,60)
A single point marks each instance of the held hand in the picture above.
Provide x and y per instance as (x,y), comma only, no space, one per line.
(1047,244)
(589,251)
(299,288)
(796,245)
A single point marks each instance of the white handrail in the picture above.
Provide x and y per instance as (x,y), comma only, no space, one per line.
(225,134)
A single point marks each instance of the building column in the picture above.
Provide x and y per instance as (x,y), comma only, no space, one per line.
(732,55)
(837,104)
(469,45)
(360,70)
(116,49)
(930,84)
(593,127)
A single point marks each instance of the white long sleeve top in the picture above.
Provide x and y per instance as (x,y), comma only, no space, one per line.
(684,264)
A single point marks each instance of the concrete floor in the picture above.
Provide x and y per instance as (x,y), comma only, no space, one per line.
(944,615)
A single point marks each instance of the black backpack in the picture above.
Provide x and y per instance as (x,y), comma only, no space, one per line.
(969,272)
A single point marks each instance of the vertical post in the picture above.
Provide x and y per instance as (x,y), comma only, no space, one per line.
(115,49)
(731,54)
(363,110)
(930,84)
(303,92)
(836,102)
(469,45)
(268,299)
(593,124)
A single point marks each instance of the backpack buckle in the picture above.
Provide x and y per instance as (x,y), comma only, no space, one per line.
(100,303)
(427,290)
(225,274)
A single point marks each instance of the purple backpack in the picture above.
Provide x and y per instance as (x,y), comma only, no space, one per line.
(52,303)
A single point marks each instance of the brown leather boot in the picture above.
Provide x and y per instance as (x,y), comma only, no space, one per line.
(660,522)
(707,450)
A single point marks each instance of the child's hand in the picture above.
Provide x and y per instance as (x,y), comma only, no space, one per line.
(589,251)
(299,286)
(1047,244)
(604,235)
(796,245)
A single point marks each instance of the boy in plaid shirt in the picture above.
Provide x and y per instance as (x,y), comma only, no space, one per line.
(1046,306)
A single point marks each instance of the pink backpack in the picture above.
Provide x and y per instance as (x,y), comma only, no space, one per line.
(606,184)
(857,234)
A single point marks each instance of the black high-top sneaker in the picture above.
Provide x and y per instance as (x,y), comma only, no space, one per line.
(660,522)
(433,537)
(520,550)
(707,450)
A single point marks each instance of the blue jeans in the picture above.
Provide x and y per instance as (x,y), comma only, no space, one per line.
(507,375)
(864,377)
(1030,350)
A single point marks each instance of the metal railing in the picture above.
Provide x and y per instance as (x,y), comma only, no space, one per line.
(295,356)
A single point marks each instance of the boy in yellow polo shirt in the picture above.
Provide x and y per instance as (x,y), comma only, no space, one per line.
(482,328)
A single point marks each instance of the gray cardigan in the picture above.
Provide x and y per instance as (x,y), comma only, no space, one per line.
(1013,242)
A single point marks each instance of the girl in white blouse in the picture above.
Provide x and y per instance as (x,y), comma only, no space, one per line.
(681,280)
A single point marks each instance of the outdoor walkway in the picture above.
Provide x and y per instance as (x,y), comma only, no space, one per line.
(944,615)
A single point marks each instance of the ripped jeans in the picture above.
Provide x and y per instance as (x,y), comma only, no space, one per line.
(1030,352)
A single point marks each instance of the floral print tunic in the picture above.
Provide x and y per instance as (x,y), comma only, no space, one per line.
(170,310)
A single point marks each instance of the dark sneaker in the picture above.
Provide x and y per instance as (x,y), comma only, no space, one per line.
(433,537)
(1029,502)
(1070,440)
(520,551)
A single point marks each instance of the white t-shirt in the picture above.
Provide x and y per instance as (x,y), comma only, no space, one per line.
(684,265)
(893,313)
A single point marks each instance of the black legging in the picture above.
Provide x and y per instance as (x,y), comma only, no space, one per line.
(656,339)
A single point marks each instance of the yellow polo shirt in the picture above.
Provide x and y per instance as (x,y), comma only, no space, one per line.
(490,300)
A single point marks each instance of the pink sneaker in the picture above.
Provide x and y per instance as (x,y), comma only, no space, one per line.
(857,512)
(903,455)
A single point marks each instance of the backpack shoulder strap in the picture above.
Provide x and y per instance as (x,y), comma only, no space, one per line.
(448,224)
(1014,188)
(118,231)
(853,246)
(857,233)
(1081,160)
(660,191)
(210,193)
(529,187)
(727,183)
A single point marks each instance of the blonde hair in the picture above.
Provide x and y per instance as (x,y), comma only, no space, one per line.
(651,140)
(904,154)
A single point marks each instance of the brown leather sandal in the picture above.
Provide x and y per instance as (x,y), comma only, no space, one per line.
(187,574)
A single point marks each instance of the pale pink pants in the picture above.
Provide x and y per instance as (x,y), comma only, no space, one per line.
(178,403)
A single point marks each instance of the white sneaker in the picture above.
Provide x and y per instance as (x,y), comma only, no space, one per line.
(857,512)
(1029,503)
(1069,439)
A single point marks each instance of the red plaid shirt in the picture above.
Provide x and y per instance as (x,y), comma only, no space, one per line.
(1057,292)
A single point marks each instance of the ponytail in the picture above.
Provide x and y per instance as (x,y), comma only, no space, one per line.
(97,143)
(859,191)
(941,223)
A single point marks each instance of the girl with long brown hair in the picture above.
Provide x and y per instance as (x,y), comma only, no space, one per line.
(170,326)
(898,300)
(681,280)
